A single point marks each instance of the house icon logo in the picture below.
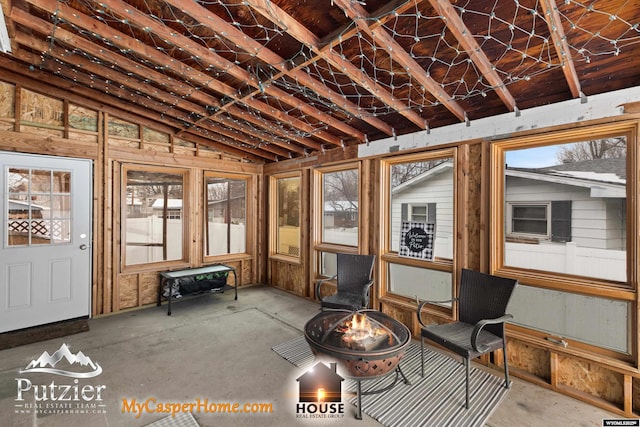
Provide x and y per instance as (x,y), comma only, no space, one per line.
(320,392)
(78,365)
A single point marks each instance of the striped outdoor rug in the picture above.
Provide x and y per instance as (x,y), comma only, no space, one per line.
(437,400)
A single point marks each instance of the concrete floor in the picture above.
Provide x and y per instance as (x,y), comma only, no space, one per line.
(217,349)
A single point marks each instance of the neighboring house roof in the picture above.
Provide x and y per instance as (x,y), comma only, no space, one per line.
(442,167)
(605,177)
(224,201)
(171,204)
(17,205)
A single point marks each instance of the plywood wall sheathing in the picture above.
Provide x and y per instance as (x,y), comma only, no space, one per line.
(183,147)
(83,118)
(149,285)
(532,360)
(288,276)
(7,100)
(635,401)
(401,314)
(591,378)
(128,295)
(37,109)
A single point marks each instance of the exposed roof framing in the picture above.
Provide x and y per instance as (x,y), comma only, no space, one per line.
(274,79)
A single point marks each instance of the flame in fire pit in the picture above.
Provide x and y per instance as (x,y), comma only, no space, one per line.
(359,333)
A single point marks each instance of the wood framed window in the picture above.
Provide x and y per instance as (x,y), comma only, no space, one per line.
(227,214)
(418,188)
(560,224)
(285,204)
(155,205)
(337,221)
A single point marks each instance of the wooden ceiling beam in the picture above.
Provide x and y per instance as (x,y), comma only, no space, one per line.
(226,120)
(74,79)
(295,29)
(123,95)
(271,127)
(552,15)
(233,142)
(81,63)
(199,139)
(142,20)
(252,142)
(231,33)
(70,39)
(382,38)
(465,37)
(65,12)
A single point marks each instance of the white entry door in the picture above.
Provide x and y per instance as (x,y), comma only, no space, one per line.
(45,248)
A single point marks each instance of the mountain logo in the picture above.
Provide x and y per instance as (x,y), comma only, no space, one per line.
(47,363)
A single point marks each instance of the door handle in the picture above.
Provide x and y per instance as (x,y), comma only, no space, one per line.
(83,247)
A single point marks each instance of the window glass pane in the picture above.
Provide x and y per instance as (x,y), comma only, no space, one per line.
(153,206)
(597,321)
(39,206)
(226,216)
(421,282)
(416,186)
(340,211)
(288,199)
(328,264)
(569,202)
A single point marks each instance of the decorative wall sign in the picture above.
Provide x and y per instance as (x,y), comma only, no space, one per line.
(417,240)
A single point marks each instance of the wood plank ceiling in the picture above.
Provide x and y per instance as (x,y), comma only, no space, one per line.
(271,80)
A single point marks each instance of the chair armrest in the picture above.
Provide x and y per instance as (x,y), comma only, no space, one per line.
(320,282)
(481,324)
(422,303)
(365,292)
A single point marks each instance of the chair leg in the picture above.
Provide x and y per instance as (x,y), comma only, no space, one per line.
(422,356)
(467,369)
(506,366)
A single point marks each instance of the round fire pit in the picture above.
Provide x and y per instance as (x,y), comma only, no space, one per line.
(367,343)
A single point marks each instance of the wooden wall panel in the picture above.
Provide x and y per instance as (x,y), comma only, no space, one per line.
(591,378)
(7,100)
(635,401)
(245,272)
(128,291)
(532,360)
(290,277)
(403,315)
(36,108)
(35,130)
(149,283)
(474,221)
(84,137)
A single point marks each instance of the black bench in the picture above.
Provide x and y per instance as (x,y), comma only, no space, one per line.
(201,280)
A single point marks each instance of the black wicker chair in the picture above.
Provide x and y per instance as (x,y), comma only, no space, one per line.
(353,279)
(482,304)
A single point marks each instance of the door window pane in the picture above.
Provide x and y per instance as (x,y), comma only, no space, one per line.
(226,215)
(38,206)
(154,216)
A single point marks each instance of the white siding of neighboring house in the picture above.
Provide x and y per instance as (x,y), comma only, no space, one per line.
(595,222)
(439,190)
